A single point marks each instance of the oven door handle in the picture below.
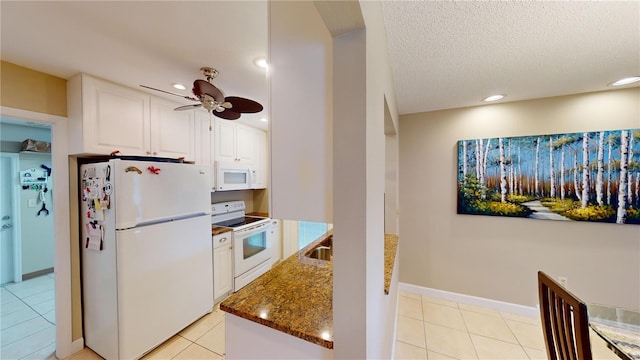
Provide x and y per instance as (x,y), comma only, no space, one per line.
(252,228)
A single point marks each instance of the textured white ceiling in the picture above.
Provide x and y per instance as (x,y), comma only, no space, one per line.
(443,54)
(453,54)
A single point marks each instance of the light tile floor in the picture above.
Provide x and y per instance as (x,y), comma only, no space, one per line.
(430,328)
(427,328)
(204,339)
(27,319)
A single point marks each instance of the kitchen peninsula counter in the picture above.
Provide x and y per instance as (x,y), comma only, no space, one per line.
(296,296)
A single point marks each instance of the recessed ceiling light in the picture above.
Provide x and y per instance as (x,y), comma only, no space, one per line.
(262,62)
(263,119)
(179,86)
(493,98)
(626,81)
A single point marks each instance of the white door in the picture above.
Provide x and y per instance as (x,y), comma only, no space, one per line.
(7,221)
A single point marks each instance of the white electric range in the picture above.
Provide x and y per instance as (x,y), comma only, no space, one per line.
(251,241)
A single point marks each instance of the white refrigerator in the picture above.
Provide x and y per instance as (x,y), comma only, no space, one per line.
(146,253)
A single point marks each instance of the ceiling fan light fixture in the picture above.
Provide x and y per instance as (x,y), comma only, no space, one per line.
(178,86)
(626,81)
(262,63)
(493,98)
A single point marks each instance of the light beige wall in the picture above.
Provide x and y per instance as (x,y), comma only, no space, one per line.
(27,89)
(496,257)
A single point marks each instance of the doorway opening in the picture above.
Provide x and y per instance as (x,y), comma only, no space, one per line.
(27,281)
(56,199)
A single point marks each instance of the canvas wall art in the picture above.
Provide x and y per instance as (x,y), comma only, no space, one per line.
(590,176)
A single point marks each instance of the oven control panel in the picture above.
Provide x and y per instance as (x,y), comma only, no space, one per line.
(227,207)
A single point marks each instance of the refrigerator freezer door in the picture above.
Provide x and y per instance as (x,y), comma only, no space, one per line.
(148,192)
(165,281)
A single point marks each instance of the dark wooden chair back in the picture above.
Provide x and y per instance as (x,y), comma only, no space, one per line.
(565,322)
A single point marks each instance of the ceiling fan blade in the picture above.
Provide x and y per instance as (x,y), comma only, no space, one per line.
(172,93)
(227,114)
(201,87)
(243,105)
(187,107)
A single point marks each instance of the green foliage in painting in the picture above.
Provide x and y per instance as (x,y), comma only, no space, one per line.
(473,200)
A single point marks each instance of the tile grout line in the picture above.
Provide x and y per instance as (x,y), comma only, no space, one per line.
(21,299)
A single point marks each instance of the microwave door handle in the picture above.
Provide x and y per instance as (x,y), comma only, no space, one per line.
(249,177)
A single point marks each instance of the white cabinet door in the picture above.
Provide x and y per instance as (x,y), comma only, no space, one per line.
(225,141)
(275,241)
(260,158)
(204,140)
(172,132)
(222,271)
(245,144)
(105,117)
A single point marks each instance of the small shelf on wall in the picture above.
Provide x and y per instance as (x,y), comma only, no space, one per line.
(33,176)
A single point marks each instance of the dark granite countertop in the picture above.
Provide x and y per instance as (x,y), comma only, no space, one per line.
(258,214)
(217,230)
(296,296)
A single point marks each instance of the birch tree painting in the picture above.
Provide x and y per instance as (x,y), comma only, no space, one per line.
(588,176)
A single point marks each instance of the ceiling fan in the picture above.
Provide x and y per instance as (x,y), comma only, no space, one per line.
(212,98)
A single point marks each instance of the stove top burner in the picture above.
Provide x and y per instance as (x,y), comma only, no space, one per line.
(237,222)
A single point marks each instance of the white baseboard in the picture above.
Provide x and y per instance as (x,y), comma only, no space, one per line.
(471,300)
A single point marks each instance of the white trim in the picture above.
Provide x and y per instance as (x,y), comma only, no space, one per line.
(60,174)
(289,238)
(16,239)
(76,346)
(471,300)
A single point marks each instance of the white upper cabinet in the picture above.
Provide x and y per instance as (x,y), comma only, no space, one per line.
(242,144)
(204,140)
(172,132)
(105,117)
(261,151)
(234,142)
(225,141)
(246,144)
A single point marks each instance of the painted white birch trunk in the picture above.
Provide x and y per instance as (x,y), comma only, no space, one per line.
(484,162)
(503,172)
(464,160)
(585,170)
(637,186)
(600,175)
(609,174)
(511,170)
(552,172)
(537,182)
(576,186)
(478,160)
(519,177)
(622,187)
(629,172)
(562,190)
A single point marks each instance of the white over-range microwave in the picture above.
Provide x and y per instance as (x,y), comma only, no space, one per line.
(235,176)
